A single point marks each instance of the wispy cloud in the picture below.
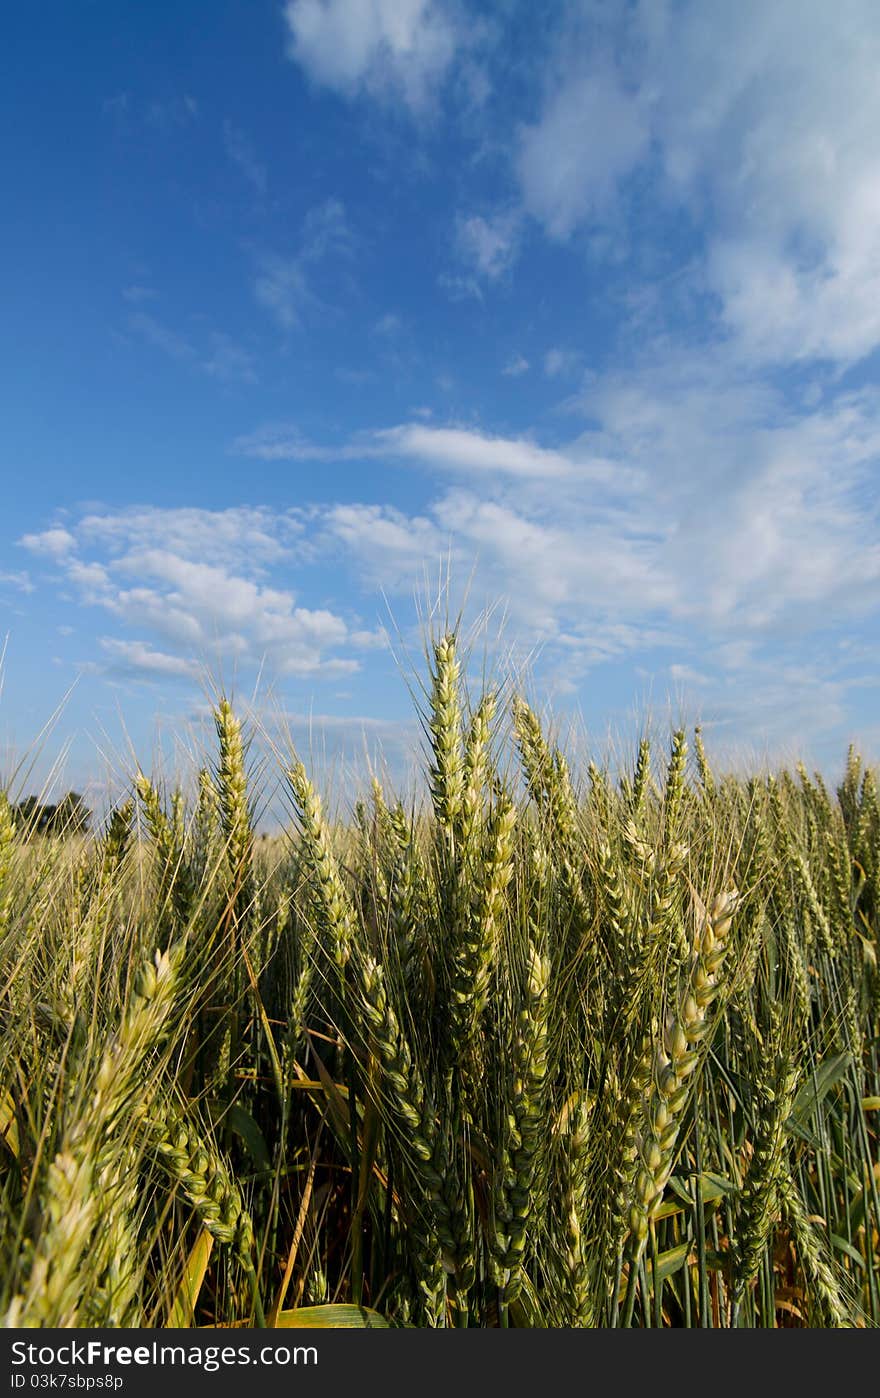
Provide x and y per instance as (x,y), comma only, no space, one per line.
(224,359)
(561,363)
(137,293)
(284,283)
(516,367)
(489,245)
(139,657)
(20,581)
(117,105)
(698,526)
(325,231)
(217,355)
(285,442)
(258,537)
(161,337)
(242,153)
(282,286)
(647,427)
(171,113)
(389,324)
(590,135)
(698,514)
(393,547)
(447,449)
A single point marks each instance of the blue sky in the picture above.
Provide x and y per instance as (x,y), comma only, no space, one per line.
(306,303)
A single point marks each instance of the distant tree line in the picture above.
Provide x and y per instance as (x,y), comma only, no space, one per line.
(69,816)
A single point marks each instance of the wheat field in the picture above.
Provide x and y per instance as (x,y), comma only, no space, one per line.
(546,1049)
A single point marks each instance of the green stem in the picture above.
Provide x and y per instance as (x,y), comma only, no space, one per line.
(629,1301)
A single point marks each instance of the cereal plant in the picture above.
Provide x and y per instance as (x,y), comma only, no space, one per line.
(542,1049)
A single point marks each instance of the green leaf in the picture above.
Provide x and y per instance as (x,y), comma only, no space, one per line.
(331,1318)
(713,1187)
(668,1263)
(239,1120)
(827,1075)
(338,1107)
(843,1246)
(243,1124)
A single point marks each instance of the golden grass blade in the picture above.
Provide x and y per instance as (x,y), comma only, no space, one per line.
(9,1123)
(182,1312)
(331,1318)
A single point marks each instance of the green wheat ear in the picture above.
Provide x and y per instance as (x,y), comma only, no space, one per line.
(447,773)
(775,1087)
(332,898)
(680,1052)
(233,803)
(7,841)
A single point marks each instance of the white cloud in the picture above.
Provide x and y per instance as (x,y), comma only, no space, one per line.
(783,126)
(698,495)
(698,514)
(771,710)
(388,48)
(490,245)
(459,449)
(393,547)
(591,134)
(186,590)
(242,536)
(452,449)
(765,513)
(92,579)
(56,543)
(760,122)
(139,656)
(561,565)
(703,520)
(687,674)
